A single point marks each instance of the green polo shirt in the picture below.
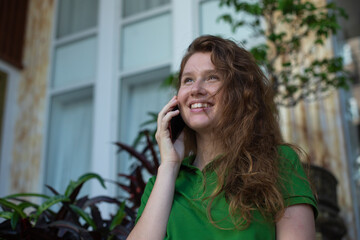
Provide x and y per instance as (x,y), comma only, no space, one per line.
(188,217)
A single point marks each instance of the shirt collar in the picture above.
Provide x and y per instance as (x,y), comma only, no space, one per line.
(188,160)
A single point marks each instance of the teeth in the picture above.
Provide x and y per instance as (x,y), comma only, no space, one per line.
(199,105)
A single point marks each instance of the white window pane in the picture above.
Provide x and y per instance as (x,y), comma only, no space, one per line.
(141,94)
(131,7)
(70,139)
(75,62)
(147,42)
(210,12)
(76,15)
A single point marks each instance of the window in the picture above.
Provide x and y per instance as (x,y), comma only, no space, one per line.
(74,62)
(131,7)
(146,43)
(70,137)
(145,59)
(76,16)
(71,92)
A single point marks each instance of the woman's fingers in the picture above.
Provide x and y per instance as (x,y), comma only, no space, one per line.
(166,113)
(168,152)
(168,116)
(164,117)
(170,105)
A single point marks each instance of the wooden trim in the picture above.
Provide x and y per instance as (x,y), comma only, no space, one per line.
(13,15)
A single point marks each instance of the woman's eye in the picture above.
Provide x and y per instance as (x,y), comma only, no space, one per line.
(213,77)
(187,80)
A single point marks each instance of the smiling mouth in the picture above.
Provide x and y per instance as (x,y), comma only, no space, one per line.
(199,105)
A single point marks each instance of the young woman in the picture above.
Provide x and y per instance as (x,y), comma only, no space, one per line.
(229,175)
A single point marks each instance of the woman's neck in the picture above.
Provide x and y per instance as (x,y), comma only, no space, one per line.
(207,149)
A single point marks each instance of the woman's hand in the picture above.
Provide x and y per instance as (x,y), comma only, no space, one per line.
(169,152)
(160,201)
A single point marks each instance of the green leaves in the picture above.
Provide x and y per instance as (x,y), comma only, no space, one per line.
(260,53)
(12,206)
(286,6)
(83,215)
(6,215)
(118,218)
(322,75)
(26,195)
(14,220)
(253,9)
(291,27)
(277,37)
(286,64)
(24,219)
(18,210)
(171,81)
(84,178)
(50,202)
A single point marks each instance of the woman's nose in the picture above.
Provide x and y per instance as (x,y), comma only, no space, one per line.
(198,88)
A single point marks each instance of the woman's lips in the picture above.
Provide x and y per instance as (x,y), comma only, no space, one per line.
(199,105)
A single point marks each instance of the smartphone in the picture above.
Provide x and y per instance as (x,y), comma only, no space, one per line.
(176,125)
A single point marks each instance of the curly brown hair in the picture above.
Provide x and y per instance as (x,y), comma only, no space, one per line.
(248,169)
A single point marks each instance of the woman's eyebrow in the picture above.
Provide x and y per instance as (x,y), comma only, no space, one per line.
(206,72)
(212,71)
(186,74)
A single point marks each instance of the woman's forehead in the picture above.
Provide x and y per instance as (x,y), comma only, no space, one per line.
(199,61)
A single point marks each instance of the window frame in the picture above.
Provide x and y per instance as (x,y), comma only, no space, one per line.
(53,92)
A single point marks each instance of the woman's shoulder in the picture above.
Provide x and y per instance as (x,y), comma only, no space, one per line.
(291,159)
(288,153)
(286,150)
(294,182)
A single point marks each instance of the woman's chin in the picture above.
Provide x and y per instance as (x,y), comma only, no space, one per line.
(201,127)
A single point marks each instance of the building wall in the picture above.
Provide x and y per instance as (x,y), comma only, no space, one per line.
(26,166)
(316,127)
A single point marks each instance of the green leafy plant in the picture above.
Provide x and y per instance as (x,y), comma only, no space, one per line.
(146,160)
(294,33)
(77,218)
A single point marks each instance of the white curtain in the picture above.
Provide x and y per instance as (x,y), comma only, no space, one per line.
(70,140)
(131,7)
